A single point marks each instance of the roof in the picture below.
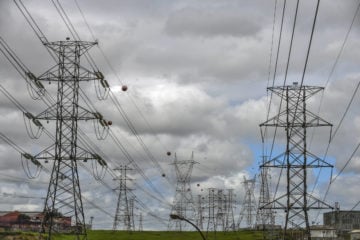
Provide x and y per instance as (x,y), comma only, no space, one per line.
(321,227)
(342,211)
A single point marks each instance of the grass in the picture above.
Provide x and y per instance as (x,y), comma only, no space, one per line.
(146,235)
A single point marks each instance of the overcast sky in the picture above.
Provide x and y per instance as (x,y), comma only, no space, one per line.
(197,71)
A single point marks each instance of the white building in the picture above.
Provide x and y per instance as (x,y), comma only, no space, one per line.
(319,232)
(355,234)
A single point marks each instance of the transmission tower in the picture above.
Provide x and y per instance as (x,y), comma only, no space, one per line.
(140,222)
(124,210)
(221,210)
(265,217)
(64,195)
(91,222)
(211,205)
(199,212)
(229,210)
(296,159)
(248,209)
(183,202)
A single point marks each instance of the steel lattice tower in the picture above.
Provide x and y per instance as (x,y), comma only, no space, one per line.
(229,210)
(64,195)
(183,202)
(248,209)
(221,210)
(141,223)
(124,210)
(211,204)
(296,159)
(199,212)
(265,217)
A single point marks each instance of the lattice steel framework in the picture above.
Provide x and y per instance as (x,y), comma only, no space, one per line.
(183,202)
(296,159)
(64,195)
(125,206)
(265,217)
(141,223)
(211,205)
(229,210)
(248,207)
(221,210)
(200,212)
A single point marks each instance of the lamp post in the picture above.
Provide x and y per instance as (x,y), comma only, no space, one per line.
(175,216)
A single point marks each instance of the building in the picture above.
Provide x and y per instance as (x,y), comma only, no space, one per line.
(355,234)
(30,221)
(319,232)
(342,221)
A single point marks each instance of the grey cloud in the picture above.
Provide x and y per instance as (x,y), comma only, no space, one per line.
(211,23)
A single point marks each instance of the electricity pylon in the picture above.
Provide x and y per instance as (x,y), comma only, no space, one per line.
(200,212)
(221,210)
(248,208)
(265,217)
(229,210)
(64,195)
(141,223)
(296,119)
(183,202)
(124,209)
(211,205)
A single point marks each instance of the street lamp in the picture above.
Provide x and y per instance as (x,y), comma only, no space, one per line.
(175,216)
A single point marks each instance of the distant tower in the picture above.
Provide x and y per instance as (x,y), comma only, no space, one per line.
(211,205)
(124,214)
(248,209)
(140,222)
(221,210)
(91,222)
(229,210)
(131,213)
(199,212)
(183,202)
(264,216)
(295,119)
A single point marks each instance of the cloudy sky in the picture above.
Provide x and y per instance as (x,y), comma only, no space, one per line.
(197,73)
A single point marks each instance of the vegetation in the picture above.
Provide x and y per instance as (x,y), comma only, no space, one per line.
(146,235)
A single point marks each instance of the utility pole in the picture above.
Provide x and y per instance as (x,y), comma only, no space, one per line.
(63,197)
(248,209)
(295,119)
(183,205)
(124,213)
